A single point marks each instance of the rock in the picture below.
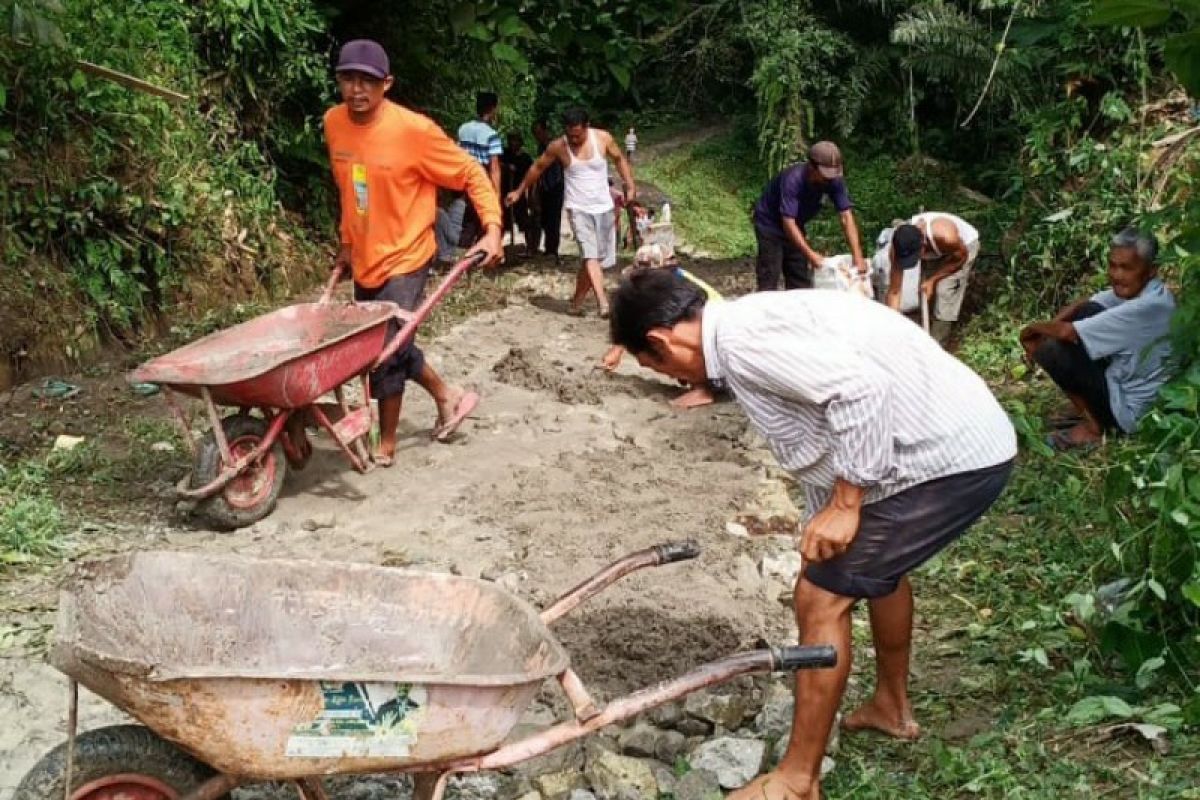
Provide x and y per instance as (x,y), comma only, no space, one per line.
(616,777)
(699,784)
(65,442)
(639,741)
(775,719)
(737,529)
(318,522)
(531,796)
(510,581)
(559,785)
(784,566)
(745,574)
(670,746)
(665,778)
(734,761)
(666,716)
(581,794)
(163,447)
(689,726)
(827,765)
(726,710)
(596,746)
(474,787)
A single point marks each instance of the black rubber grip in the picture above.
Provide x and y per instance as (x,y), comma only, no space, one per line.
(671,552)
(805,657)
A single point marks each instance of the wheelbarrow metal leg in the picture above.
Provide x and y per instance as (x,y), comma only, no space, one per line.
(182,420)
(311,789)
(577,693)
(217,428)
(342,442)
(430,785)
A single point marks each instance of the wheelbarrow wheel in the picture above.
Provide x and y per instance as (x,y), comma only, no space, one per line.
(120,762)
(250,496)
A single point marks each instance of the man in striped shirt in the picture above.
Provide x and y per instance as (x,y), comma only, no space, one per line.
(898,446)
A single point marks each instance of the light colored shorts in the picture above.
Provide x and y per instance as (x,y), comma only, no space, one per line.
(596,235)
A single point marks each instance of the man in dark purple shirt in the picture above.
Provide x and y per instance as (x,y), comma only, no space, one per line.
(791,199)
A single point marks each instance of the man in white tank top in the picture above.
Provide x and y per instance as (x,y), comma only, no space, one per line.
(950,246)
(584,153)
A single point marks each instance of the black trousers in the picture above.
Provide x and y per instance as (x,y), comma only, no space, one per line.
(776,256)
(551,219)
(406,291)
(1069,365)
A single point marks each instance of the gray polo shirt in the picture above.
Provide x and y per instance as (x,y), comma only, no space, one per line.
(841,387)
(1134,336)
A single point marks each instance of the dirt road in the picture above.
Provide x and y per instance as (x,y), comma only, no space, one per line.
(563,469)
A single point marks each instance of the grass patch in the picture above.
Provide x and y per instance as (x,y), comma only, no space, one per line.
(31,522)
(712,187)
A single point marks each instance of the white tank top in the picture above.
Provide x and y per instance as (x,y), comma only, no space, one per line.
(966,231)
(586,182)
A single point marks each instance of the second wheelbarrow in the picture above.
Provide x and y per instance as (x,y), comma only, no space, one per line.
(247,670)
(281,364)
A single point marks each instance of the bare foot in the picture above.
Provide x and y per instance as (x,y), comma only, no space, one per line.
(693,398)
(777,786)
(873,716)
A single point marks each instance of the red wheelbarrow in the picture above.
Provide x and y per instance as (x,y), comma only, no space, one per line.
(281,364)
(293,670)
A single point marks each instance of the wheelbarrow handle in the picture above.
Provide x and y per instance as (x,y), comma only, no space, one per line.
(334,277)
(656,556)
(410,322)
(804,657)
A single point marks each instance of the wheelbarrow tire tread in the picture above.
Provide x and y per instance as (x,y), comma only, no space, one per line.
(113,750)
(216,509)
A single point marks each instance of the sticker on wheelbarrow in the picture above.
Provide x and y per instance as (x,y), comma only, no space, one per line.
(361,720)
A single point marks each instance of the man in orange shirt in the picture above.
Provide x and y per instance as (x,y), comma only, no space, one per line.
(388,163)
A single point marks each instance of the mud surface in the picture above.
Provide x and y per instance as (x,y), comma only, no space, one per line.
(562,469)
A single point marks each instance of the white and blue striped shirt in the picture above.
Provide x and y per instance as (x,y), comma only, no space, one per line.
(841,387)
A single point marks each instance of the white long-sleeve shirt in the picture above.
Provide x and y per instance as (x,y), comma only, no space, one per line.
(841,387)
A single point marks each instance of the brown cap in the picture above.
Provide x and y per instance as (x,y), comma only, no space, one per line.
(827,158)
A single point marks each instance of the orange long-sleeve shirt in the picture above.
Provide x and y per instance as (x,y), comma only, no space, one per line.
(387,175)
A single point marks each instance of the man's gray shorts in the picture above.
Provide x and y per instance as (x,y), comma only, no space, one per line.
(900,533)
(596,235)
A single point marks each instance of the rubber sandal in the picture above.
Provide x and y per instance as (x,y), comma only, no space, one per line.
(466,404)
(383,461)
(1064,421)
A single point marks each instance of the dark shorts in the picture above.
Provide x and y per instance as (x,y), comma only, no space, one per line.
(405,291)
(778,256)
(1069,365)
(900,533)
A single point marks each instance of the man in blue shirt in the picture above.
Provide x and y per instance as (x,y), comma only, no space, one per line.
(1110,353)
(457,224)
(789,201)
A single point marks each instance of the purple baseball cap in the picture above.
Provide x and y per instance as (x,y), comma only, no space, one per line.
(366,56)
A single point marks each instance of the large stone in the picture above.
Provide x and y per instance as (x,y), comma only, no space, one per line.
(783,567)
(670,746)
(734,761)
(474,787)
(726,710)
(531,796)
(581,794)
(775,719)
(639,741)
(559,785)
(664,776)
(690,727)
(699,784)
(666,716)
(617,777)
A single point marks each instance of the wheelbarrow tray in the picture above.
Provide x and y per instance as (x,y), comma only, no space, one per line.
(285,359)
(273,669)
